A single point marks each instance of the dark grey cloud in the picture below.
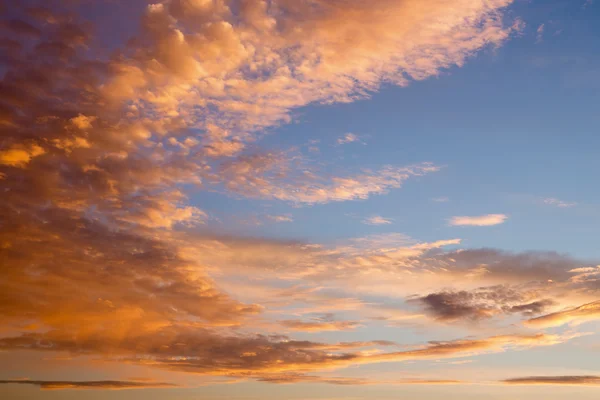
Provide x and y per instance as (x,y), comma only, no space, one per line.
(98,385)
(591,380)
(481,303)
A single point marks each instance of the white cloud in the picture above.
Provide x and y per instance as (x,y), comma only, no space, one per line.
(551,201)
(483,220)
(280,218)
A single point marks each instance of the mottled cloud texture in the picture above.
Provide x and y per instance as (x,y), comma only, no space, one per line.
(102,253)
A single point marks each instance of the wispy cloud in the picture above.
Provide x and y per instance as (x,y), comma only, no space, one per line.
(320,326)
(95,385)
(540,33)
(551,201)
(280,218)
(483,220)
(348,138)
(377,220)
(584,380)
(584,313)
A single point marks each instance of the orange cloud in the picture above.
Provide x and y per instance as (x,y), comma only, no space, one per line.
(584,313)
(319,326)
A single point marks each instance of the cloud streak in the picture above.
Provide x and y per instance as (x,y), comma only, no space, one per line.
(483,220)
(582,380)
(583,313)
(89,385)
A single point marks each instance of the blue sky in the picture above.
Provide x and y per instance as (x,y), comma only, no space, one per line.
(514,126)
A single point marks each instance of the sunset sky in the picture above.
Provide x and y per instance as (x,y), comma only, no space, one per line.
(299,199)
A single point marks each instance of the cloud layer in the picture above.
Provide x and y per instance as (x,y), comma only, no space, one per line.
(103,255)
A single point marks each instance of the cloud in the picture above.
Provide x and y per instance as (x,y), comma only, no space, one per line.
(482,303)
(583,380)
(280,218)
(540,33)
(276,176)
(319,326)
(299,378)
(95,385)
(377,220)
(558,203)
(99,151)
(441,199)
(583,313)
(20,155)
(348,138)
(483,220)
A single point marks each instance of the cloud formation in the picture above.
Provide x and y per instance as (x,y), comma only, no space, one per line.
(482,303)
(483,220)
(584,380)
(348,138)
(551,201)
(377,220)
(98,153)
(94,385)
(583,313)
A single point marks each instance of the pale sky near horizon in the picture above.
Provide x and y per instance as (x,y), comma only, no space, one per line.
(299,199)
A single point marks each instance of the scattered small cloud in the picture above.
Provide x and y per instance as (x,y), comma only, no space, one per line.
(348,138)
(551,201)
(280,218)
(540,33)
(377,220)
(483,220)
(442,199)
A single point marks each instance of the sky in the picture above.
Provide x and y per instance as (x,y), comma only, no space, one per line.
(299,199)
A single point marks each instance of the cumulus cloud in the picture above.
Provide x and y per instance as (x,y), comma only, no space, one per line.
(483,220)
